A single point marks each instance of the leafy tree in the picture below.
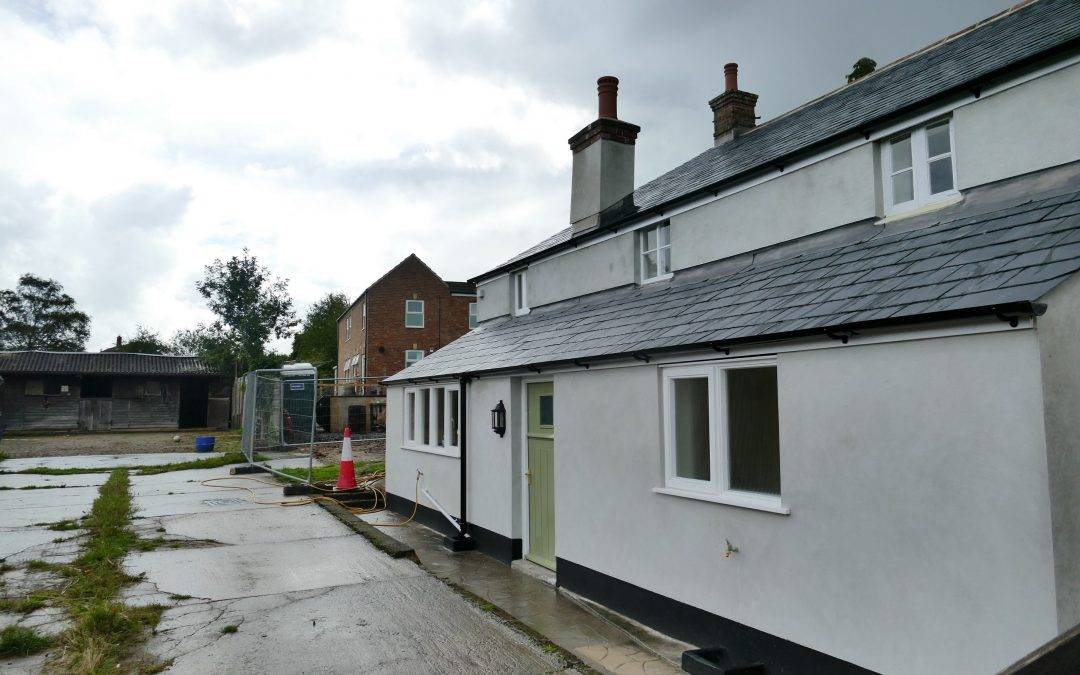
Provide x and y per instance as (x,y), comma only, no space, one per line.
(207,342)
(145,341)
(316,342)
(37,314)
(862,68)
(250,305)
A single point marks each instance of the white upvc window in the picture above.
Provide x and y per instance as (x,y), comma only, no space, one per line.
(412,356)
(414,313)
(472,315)
(919,168)
(722,433)
(432,417)
(655,246)
(348,328)
(519,292)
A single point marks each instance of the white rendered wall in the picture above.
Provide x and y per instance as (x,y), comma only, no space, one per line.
(919,534)
(493,298)
(1029,127)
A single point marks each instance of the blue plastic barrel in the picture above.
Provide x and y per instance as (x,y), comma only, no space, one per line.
(204,444)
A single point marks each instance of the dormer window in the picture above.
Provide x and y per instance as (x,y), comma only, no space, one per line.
(519,292)
(655,246)
(919,167)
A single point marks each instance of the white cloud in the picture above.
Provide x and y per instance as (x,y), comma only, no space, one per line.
(143,139)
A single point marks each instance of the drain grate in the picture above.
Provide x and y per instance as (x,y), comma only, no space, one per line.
(224,501)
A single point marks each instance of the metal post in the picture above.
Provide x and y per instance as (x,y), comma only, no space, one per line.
(462,541)
(314,406)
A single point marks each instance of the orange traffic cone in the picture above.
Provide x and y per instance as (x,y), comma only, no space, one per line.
(346,479)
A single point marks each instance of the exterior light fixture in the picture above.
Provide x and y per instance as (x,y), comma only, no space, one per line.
(498,419)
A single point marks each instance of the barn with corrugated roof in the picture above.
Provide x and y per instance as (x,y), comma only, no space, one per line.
(89,391)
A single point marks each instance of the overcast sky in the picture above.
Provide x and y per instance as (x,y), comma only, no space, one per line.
(140,140)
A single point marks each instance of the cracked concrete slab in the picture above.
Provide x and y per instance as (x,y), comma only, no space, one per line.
(255,527)
(101,461)
(414,624)
(24,508)
(15,540)
(18,480)
(258,569)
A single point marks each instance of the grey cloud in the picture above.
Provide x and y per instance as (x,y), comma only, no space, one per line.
(669,56)
(214,29)
(149,206)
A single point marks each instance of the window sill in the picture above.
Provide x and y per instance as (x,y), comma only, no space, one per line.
(433,450)
(741,499)
(656,280)
(417,327)
(916,209)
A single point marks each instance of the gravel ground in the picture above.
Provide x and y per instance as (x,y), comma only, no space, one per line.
(111,443)
(63,445)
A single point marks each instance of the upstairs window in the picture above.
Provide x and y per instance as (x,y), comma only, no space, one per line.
(414,313)
(919,167)
(348,328)
(431,419)
(519,292)
(412,356)
(722,433)
(472,315)
(655,246)
(363,311)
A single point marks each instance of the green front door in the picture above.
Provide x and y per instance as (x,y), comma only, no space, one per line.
(540,435)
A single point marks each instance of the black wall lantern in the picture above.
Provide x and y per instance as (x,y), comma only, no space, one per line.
(498,419)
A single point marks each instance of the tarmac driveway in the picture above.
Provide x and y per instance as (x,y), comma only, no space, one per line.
(306,593)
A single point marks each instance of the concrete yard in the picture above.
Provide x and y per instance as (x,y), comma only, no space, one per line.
(305,592)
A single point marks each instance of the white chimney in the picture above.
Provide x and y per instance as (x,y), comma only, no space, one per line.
(603,160)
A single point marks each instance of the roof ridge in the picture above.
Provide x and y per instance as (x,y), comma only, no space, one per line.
(102,353)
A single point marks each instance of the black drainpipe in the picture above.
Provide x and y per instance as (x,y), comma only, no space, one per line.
(461,541)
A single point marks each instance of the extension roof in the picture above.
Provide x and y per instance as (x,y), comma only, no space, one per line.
(103,363)
(993,254)
(966,62)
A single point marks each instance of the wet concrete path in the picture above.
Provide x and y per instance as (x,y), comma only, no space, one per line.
(305,593)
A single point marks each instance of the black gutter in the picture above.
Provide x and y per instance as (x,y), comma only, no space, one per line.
(1010,312)
(973,87)
(462,541)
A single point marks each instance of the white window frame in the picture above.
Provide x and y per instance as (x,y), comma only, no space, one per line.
(474,319)
(920,168)
(413,433)
(363,315)
(718,487)
(643,251)
(519,292)
(413,351)
(414,312)
(348,328)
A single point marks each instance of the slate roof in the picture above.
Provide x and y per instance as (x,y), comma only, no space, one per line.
(991,47)
(103,363)
(966,263)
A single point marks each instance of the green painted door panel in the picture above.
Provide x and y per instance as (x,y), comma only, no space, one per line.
(540,435)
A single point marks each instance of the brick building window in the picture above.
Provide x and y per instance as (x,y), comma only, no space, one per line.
(348,328)
(412,356)
(414,313)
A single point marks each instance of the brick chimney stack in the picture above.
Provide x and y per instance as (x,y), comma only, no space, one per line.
(603,170)
(733,110)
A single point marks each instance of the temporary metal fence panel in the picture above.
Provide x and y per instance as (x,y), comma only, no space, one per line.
(280,411)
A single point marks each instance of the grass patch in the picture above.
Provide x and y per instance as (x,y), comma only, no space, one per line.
(62,525)
(22,605)
(105,634)
(20,641)
(145,469)
(32,487)
(45,566)
(179,596)
(329,472)
(6,567)
(230,629)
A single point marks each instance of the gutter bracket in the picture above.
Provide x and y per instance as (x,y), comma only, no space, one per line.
(842,335)
(580,364)
(726,351)
(535,369)
(642,357)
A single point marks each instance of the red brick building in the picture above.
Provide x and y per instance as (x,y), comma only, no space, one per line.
(405,315)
